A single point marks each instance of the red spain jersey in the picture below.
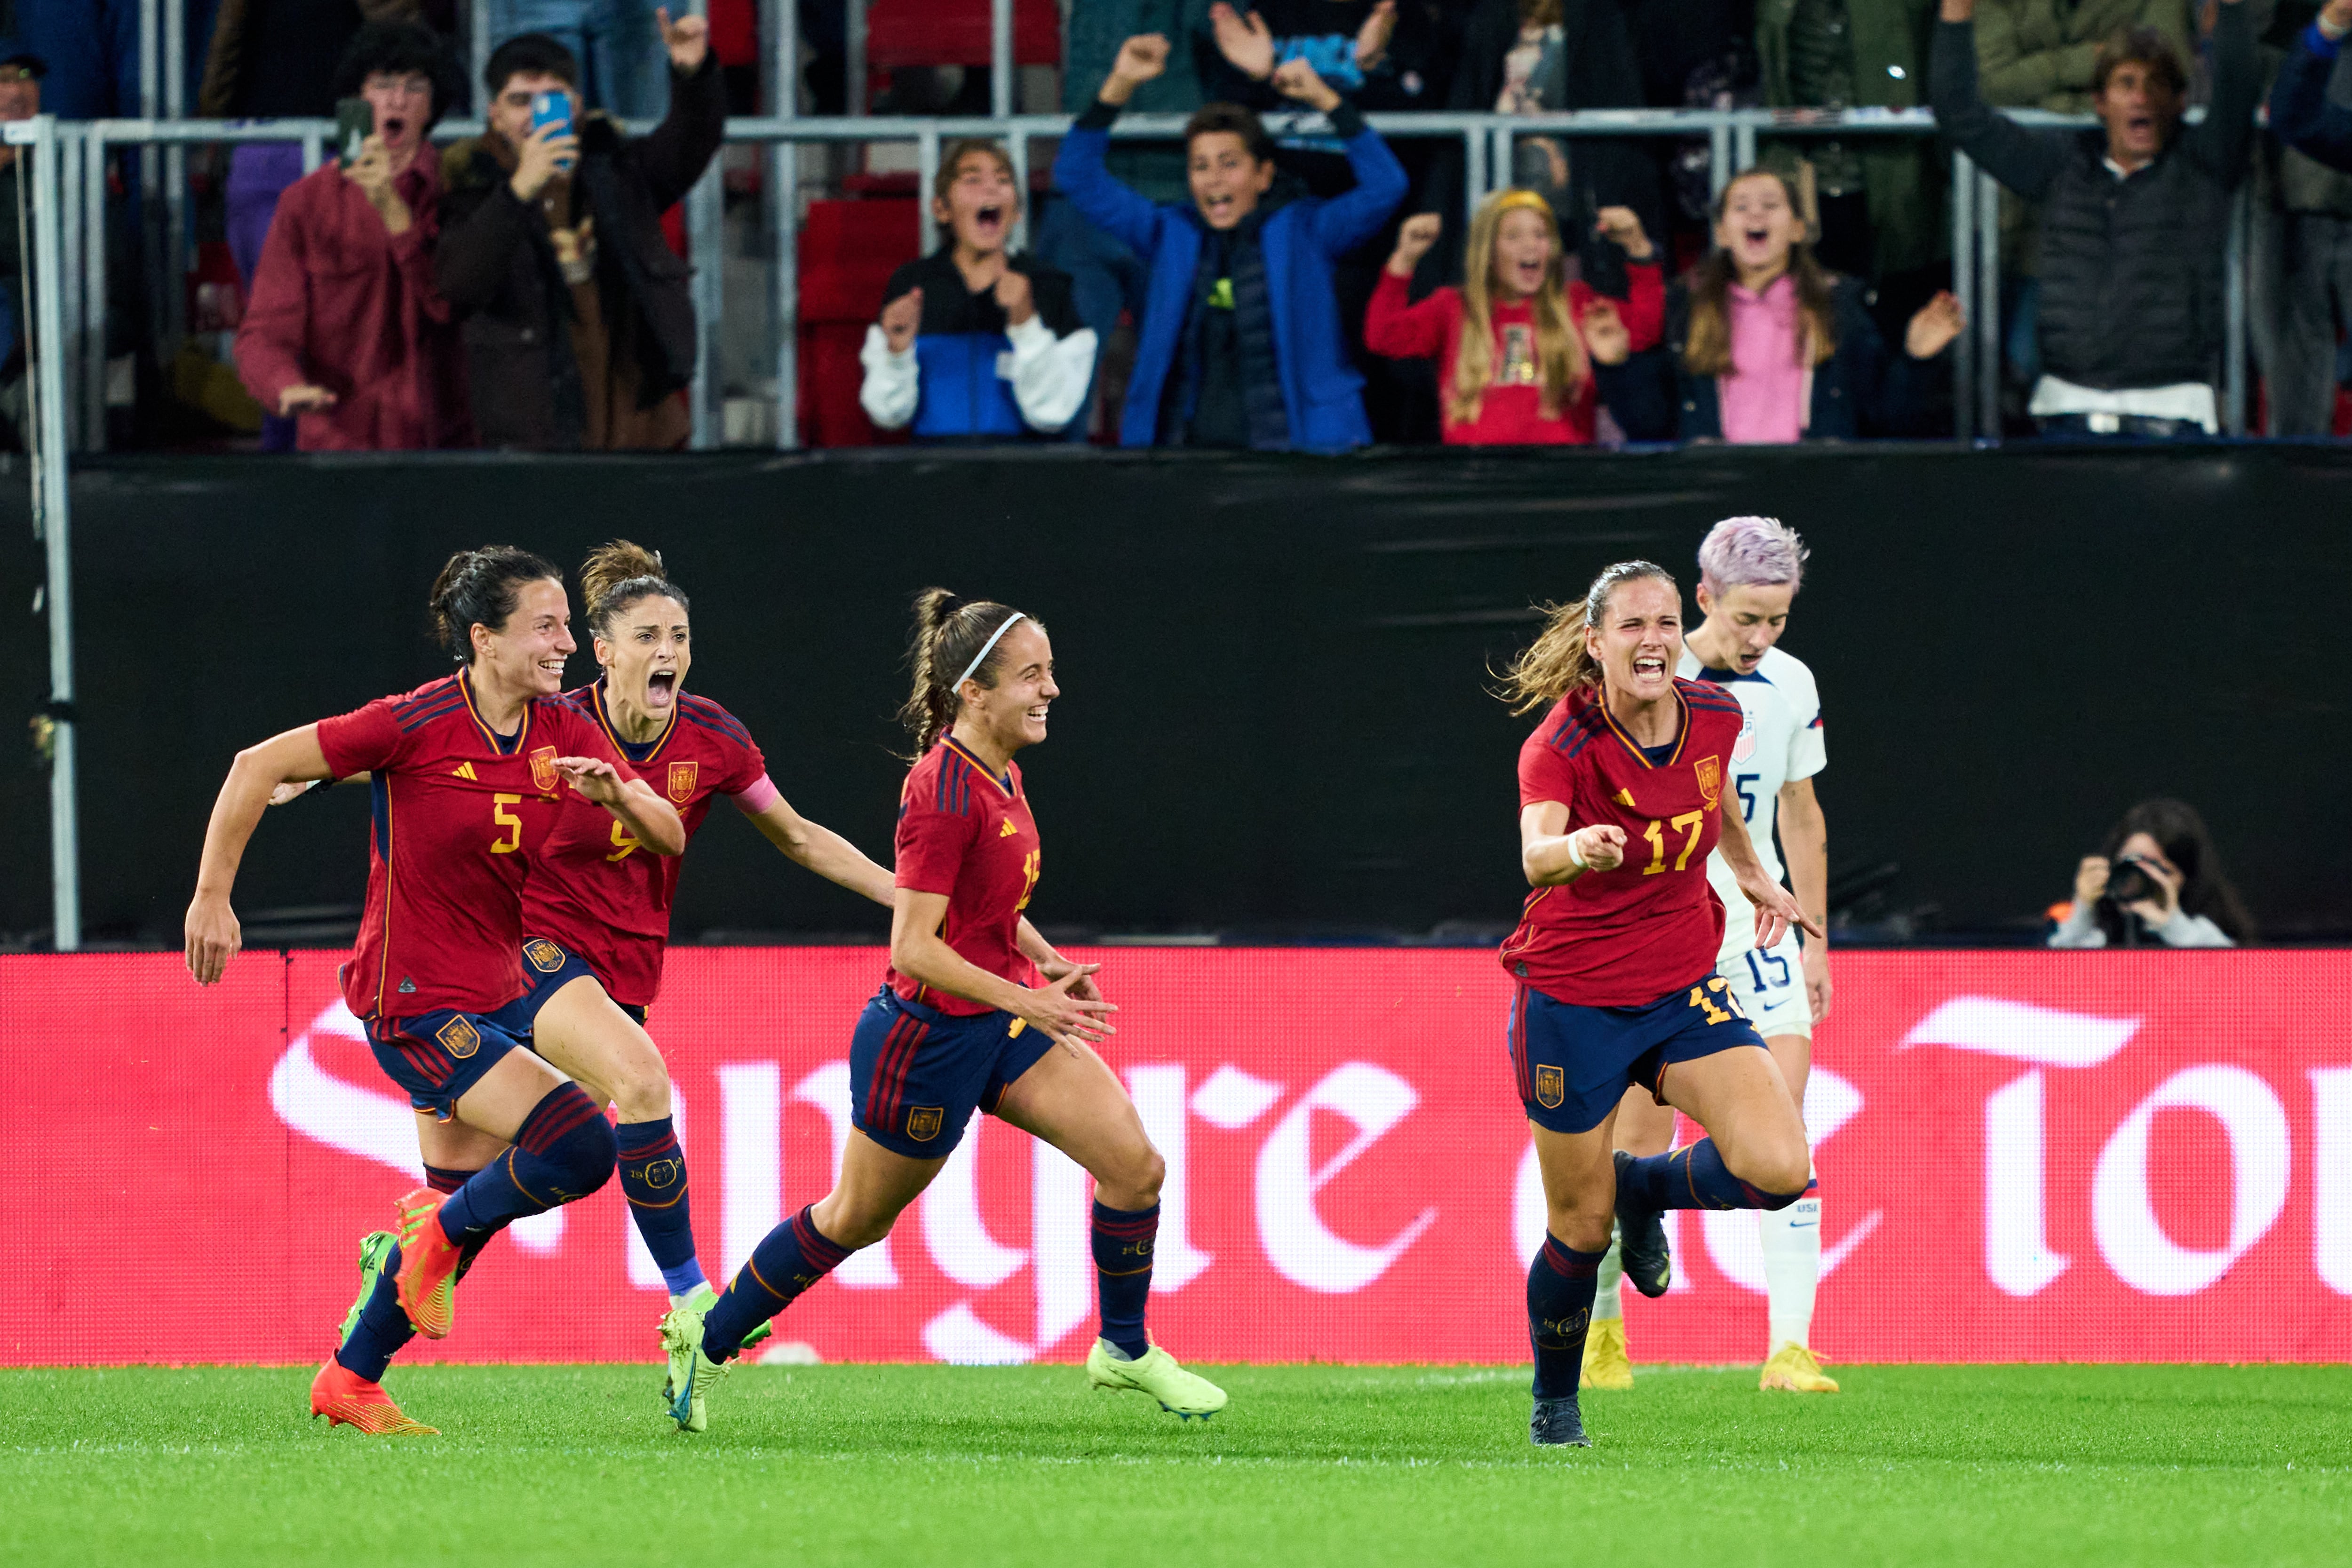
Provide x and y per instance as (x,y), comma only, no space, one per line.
(968,835)
(591,887)
(1627,937)
(457,812)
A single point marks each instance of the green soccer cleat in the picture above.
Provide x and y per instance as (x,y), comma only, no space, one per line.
(376,1249)
(692,1373)
(1180,1393)
(705,1296)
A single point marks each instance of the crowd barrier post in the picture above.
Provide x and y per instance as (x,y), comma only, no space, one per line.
(999,60)
(853,73)
(52,520)
(478,54)
(176,177)
(2234,312)
(1984,309)
(1964,284)
(93,291)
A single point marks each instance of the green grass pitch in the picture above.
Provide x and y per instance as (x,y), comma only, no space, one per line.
(2068,1467)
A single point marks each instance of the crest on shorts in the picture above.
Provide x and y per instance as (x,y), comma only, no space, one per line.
(542,770)
(1549,1091)
(1710,780)
(923,1121)
(459,1037)
(544,955)
(681,781)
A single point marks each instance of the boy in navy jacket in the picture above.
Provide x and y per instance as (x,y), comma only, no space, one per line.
(976,344)
(1240,344)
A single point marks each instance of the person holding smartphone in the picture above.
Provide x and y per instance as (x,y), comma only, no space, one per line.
(346,332)
(578,324)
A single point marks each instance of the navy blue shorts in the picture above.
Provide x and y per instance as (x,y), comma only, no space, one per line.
(1574,1064)
(916,1074)
(548,968)
(437,1056)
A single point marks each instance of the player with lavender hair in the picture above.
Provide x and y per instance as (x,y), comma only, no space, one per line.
(1749,570)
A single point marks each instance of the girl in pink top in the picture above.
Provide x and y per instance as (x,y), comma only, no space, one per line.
(1764,344)
(1513,368)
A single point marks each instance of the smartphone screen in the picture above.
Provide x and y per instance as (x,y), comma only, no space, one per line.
(354,123)
(552,109)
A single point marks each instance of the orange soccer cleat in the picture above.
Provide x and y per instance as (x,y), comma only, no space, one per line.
(347,1399)
(427,1260)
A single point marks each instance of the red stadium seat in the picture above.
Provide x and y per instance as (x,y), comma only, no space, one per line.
(901,33)
(847,252)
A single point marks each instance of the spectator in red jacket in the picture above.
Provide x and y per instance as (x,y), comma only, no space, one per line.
(1513,367)
(346,332)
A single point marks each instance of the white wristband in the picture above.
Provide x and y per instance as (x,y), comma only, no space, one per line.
(1576,856)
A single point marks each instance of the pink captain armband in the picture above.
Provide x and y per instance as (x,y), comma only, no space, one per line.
(757,797)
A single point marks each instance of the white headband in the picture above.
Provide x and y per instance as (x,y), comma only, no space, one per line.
(981,656)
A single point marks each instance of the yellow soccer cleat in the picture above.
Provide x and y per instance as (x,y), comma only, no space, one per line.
(1796,1370)
(1180,1393)
(687,1389)
(1605,1362)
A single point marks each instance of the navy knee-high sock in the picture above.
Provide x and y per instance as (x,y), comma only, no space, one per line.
(1694,1178)
(793,1256)
(1560,1310)
(653,1177)
(1122,1242)
(562,1151)
(445,1181)
(382,1329)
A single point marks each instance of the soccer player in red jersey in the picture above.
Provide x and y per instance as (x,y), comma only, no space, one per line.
(1620,791)
(595,907)
(462,770)
(962,1023)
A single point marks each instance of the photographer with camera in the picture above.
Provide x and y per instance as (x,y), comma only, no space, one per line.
(2158,882)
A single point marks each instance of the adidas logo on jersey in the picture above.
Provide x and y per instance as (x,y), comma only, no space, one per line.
(464,771)
(1008,830)
(407,986)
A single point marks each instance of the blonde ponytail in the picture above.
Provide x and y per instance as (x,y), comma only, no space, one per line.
(1560,659)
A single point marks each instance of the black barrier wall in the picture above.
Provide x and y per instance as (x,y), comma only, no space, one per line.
(1274,719)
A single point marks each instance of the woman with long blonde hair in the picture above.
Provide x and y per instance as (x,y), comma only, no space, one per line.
(1621,791)
(1513,368)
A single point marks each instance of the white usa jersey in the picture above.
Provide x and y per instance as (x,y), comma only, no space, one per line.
(1779,742)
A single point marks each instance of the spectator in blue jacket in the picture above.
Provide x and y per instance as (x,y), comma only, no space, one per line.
(1241,342)
(976,344)
(2301,115)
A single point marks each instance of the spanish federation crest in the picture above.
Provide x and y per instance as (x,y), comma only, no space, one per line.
(923,1121)
(681,781)
(542,770)
(459,1037)
(544,955)
(1710,780)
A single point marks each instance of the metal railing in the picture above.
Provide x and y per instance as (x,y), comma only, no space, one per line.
(1488,143)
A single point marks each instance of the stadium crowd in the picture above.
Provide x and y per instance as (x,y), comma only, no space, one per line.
(1306,284)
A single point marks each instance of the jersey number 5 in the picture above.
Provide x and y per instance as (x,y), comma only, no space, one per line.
(507,820)
(1690,823)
